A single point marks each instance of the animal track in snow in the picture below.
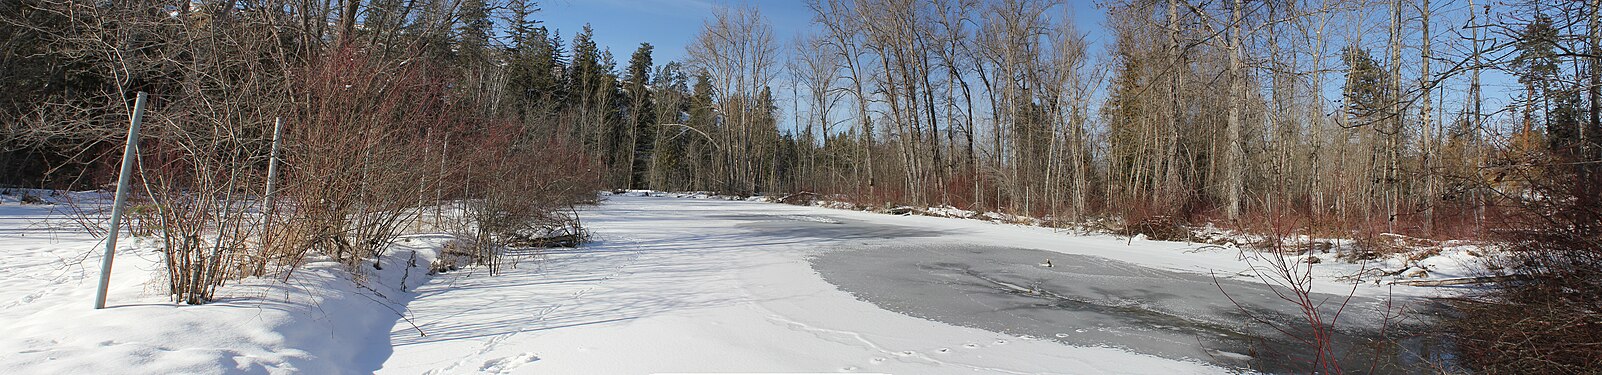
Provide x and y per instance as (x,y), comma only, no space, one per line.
(504,364)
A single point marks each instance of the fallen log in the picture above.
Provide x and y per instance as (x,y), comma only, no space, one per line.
(899,210)
(1461,280)
(566,240)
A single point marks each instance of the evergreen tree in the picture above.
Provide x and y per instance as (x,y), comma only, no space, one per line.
(641,113)
(582,81)
(1367,93)
(473,32)
(704,155)
(669,136)
(560,91)
(523,61)
(1536,64)
(765,144)
(520,23)
(586,65)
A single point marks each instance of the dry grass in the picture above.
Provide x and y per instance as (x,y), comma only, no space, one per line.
(1551,322)
(1550,325)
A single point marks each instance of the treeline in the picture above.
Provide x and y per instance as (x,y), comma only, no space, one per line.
(1345,114)
(395,116)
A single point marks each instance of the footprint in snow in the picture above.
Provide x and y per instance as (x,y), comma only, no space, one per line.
(504,364)
(1001,342)
(1062,335)
(877,360)
(906,353)
(944,350)
(971,345)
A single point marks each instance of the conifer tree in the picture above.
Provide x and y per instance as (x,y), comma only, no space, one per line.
(641,114)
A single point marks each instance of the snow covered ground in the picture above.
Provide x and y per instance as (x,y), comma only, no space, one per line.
(670,285)
(316,322)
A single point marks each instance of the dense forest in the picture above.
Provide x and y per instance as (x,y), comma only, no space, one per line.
(1447,119)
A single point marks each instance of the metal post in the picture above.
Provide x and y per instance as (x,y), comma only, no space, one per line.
(272,170)
(128,152)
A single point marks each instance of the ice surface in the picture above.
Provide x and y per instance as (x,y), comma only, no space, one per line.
(1094,301)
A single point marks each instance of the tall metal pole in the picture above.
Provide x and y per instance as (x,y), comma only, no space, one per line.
(272,169)
(128,152)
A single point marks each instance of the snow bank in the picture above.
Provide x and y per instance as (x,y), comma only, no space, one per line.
(320,320)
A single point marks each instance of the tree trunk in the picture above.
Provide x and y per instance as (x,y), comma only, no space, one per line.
(1428,141)
(1236,158)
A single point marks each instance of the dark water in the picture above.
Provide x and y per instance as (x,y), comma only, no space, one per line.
(1093,301)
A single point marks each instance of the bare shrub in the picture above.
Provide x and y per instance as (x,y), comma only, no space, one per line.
(352,179)
(1548,325)
(1280,266)
(1550,319)
(363,119)
(520,192)
(804,198)
(199,154)
(204,226)
(30,198)
(1373,247)
(1548,322)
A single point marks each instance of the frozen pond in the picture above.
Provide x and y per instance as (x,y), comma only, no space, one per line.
(1093,301)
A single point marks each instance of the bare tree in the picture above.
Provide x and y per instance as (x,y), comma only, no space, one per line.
(736,47)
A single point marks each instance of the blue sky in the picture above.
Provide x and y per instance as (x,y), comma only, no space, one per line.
(667,24)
